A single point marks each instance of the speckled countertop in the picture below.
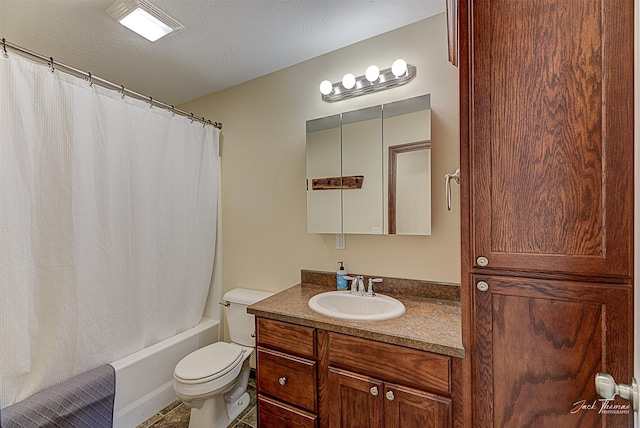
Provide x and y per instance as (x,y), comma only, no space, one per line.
(429,324)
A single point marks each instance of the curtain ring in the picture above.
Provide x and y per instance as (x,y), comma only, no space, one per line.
(122,91)
(150,102)
(4,47)
(89,79)
(191,117)
(173,111)
(51,64)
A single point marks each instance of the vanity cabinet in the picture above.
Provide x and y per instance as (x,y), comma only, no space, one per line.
(310,377)
(362,401)
(373,392)
(286,375)
(547,208)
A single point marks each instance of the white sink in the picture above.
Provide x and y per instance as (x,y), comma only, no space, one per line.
(343,305)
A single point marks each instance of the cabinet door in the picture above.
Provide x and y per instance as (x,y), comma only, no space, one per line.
(551,135)
(408,407)
(355,401)
(539,345)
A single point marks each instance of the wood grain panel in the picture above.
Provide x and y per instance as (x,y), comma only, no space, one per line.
(324,392)
(412,408)
(551,142)
(291,338)
(299,375)
(353,405)
(539,345)
(411,367)
(275,414)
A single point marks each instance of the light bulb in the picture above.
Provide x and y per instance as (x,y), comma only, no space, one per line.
(326,87)
(349,81)
(399,67)
(372,73)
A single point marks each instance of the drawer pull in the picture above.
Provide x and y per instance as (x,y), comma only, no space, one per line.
(282,380)
(389,395)
(374,391)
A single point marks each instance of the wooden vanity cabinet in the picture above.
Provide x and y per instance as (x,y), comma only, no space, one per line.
(335,380)
(286,375)
(362,401)
(374,384)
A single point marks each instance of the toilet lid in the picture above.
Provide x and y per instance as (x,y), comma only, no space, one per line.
(215,359)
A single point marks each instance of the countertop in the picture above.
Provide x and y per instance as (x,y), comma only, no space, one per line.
(428,324)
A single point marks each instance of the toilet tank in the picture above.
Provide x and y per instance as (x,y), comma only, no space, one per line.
(241,324)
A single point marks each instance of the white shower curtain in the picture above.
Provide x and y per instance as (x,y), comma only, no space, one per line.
(108,212)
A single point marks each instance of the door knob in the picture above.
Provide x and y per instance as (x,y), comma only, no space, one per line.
(607,388)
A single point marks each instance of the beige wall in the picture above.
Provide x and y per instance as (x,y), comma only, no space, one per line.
(264,237)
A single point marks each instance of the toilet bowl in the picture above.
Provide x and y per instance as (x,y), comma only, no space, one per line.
(212,381)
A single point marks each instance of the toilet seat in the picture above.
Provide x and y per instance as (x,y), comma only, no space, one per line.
(208,363)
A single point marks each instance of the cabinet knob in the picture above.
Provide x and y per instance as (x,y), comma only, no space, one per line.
(482,261)
(390,395)
(482,286)
(282,380)
(374,391)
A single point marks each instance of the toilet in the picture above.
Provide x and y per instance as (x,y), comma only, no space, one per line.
(212,381)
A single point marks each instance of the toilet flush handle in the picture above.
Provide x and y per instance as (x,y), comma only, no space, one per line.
(224,303)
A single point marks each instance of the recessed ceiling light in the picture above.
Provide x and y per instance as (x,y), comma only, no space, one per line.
(144,18)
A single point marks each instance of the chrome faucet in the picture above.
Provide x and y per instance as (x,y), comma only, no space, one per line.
(360,285)
(370,292)
(354,284)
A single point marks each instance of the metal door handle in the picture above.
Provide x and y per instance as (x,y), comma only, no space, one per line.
(607,388)
(447,185)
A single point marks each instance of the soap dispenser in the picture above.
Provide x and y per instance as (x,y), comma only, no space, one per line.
(341,281)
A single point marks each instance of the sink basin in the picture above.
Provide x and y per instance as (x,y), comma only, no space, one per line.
(343,305)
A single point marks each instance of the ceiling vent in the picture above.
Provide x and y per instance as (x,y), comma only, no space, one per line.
(144,18)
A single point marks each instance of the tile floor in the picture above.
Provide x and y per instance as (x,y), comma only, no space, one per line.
(176,414)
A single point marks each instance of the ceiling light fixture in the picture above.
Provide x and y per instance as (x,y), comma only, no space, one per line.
(144,18)
(373,80)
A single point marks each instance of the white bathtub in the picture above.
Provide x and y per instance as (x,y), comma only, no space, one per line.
(144,380)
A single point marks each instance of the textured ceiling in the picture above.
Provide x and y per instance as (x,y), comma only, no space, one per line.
(224,43)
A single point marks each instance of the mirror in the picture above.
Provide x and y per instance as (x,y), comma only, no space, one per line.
(369,170)
(407,166)
(362,206)
(324,159)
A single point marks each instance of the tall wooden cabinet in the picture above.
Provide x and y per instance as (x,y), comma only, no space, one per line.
(547,209)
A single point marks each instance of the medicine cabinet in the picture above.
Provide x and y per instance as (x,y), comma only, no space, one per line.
(369,170)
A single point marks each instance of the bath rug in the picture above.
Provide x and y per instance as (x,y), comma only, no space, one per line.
(84,401)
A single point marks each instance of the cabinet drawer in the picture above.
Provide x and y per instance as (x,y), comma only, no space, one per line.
(272,413)
(291,338)
(286,377)
(398,364)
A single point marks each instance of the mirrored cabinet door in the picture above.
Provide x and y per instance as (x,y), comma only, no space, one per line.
(362,209)
(407,166)
(324,201)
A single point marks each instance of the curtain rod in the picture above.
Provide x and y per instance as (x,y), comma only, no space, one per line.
(105,83)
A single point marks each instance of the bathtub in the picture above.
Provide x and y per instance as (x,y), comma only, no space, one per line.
(144,380)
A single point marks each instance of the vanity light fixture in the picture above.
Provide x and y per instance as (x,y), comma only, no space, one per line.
(373,80)
(144,18)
